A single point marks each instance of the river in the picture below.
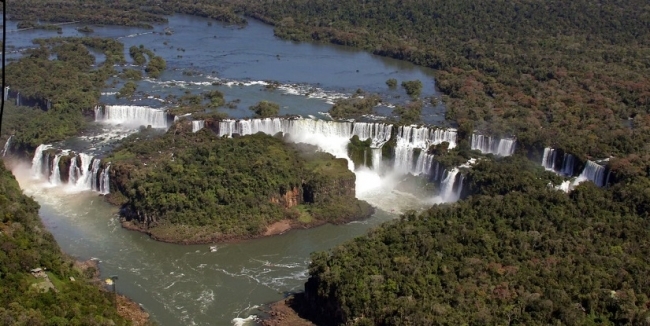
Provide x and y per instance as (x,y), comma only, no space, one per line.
(226,283)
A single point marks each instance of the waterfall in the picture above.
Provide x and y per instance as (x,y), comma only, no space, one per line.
(410,138)
(84,176)
(74,172)
(18,99)
(94,170)
(333,137)
(55,177)
(567,165)
(6,95)
(376,159)
(488,145)
(37,161)
(5,150)
(423,164)
(84,172)
(379,133)
(449,190)
(197,125)
(593,172)
(131,115)
(104,181)
(548,159)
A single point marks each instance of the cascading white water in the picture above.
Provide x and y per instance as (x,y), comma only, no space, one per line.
(104,181)
(411,138)
(6,93)
(423,164)
(593,172)
(73,172)
(55,177)
(447,192)
(379,133)
(334,136)
(83,174)
(5,150)
(489,145)
(197,125)
(37,161)
(18,99)
(131,115)
(376,159)
(548,159)
(567,165)
(94,170)
(84,181)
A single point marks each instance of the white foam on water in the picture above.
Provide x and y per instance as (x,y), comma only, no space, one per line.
(248,321)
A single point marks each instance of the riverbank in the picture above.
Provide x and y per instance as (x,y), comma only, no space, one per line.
(285,313)
(126,307)
(193,235)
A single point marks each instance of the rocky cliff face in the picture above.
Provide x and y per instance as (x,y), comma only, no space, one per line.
(291,198)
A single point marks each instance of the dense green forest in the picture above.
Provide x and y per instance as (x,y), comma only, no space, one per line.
(26,244)
(142,13)
(517,252)
(196,187)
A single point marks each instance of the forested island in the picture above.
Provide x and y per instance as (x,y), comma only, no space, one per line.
(190,187)
(568,75)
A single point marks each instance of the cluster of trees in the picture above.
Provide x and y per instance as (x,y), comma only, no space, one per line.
(156,64)
(26,244)
(265,109)
(358,105)
(517,251)
(196,187)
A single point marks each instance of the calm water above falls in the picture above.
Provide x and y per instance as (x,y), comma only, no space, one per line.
(193,285)
(233,54)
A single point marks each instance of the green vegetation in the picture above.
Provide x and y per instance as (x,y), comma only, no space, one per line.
(68,84)
(391,83)
(215,97)
(34,25)
(131,74)
(86,29)
(354,107)
(137,54)
(26,244)
(516,252)
(195,187)
(127,90)
(140,13)
(360,152)
(410,113)
(155,66)
(413,88)
(265,109)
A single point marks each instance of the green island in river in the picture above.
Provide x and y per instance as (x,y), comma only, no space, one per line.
(567,75)
(187,187)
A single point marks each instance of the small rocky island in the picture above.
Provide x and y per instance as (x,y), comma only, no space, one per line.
(185,187)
